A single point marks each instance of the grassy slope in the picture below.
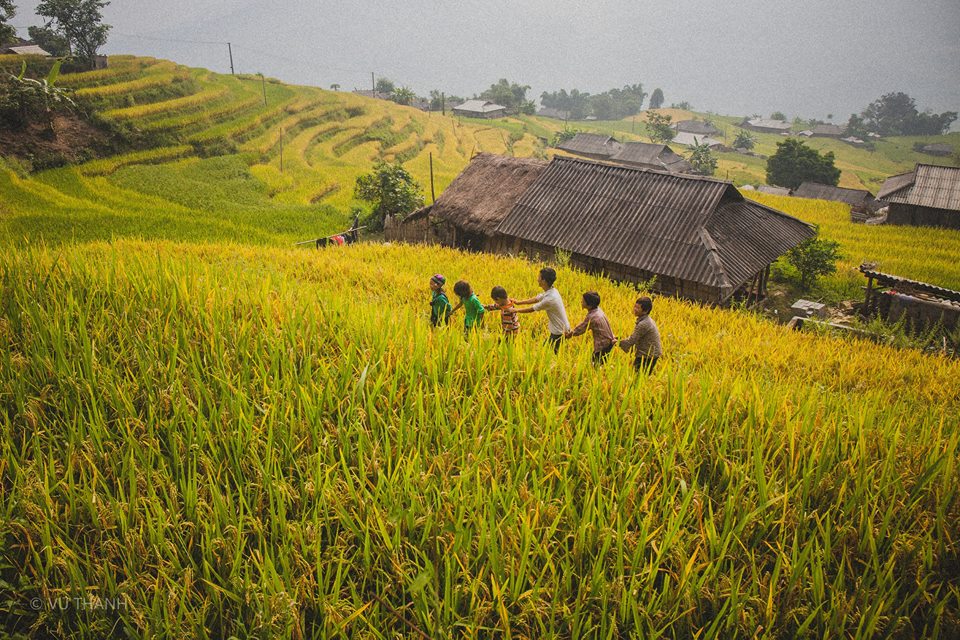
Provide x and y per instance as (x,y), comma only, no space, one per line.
(257,440)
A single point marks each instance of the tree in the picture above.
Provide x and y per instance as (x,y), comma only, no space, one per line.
(778,115)
(656,100)
(334,87)
(685,106)
(658,125)
(403,95)
(50,41)
(895,114)
(562,136)
(384,86)
(80,22)
(794,163)
(744,140)
(814,257)
(7,11)
(702,159)
(509,94)
(392,191)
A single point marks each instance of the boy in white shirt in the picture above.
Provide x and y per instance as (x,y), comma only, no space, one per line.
(550,302)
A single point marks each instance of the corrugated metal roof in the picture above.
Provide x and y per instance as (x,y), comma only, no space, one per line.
(593,144)
(765,123)
(667,224)
(828,130)
(28,50)
(817,191)
(774,191)
(651,156)
(928,185)
(690,139)
(478,106)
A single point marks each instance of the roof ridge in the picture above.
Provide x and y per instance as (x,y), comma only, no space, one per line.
(685,176)
(713,253)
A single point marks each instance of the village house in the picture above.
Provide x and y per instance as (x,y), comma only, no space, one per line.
(927,196)
(645,155)
(937,149)
(698,237)
(696,127)
(592,145)
(691,140)
(24,50)
(827,131)
(480,109)
(764,125)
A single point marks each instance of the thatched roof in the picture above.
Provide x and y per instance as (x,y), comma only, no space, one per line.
(480,197)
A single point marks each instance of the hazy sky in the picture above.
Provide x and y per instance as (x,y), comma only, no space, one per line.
(742,57)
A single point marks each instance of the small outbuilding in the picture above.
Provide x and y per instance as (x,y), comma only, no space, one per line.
(764,125)
(698,237)
(25,50)
(697,127)
(938,149)
(691,140)
(596,146)
(480,109)
(828,131)
(927,196)
(645,155)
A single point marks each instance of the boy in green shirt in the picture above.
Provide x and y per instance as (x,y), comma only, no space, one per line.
(440,308)
(471,303)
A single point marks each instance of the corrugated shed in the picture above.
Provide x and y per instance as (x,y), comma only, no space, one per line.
(651,156)
(696,126)
(592,144)
(817,191)
(690,139)
(764,123)
(666,224)
(931,186)
(774,191)
(478,106)
(829,130)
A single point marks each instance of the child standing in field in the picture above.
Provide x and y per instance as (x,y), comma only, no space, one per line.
(508,312)
(596,321)
(645,339)
(440,308)
(550,302)
(471,304)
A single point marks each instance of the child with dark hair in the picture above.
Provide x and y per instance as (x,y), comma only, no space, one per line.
(596,321)
(440,308)
(645,339)
(508,312)
(472,305)
(550,302)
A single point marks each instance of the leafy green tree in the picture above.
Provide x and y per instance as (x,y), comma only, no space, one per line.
(686,106)
(7,11)
(794,162)
(391,189)
(24,100)
(702,159)
(403,95)
(384,86)
(656,100)
(562,136)
(895,114)
(334,87)
(778,115)
(813,258)
(744,140)
(659,128)
(80,22)
(509,94)
(50,41)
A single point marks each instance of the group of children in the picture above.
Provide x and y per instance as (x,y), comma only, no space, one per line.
(643,343)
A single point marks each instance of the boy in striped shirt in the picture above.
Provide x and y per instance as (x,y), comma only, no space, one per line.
(508,311)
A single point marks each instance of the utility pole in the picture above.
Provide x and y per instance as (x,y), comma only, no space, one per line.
(263,82)
(373,85)
(443,103)
(281,149)
(230,51)
(433,195)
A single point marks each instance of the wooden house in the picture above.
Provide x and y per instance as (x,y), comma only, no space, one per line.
(645,155)
(480,109)
(595,146)
(927,196)
(699,237)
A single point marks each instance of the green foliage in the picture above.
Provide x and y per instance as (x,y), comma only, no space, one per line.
(794,163)
(24,100)
(391,190)
(403,95)
(614,104)
(813,258)
(79,22)
(702,160)
(895,114)
(656,99)
(50,41)
(7,11)
(385,86)
(744,140)
(659,128)
(509,94)
(686,106)
(562,136)
(778,115)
